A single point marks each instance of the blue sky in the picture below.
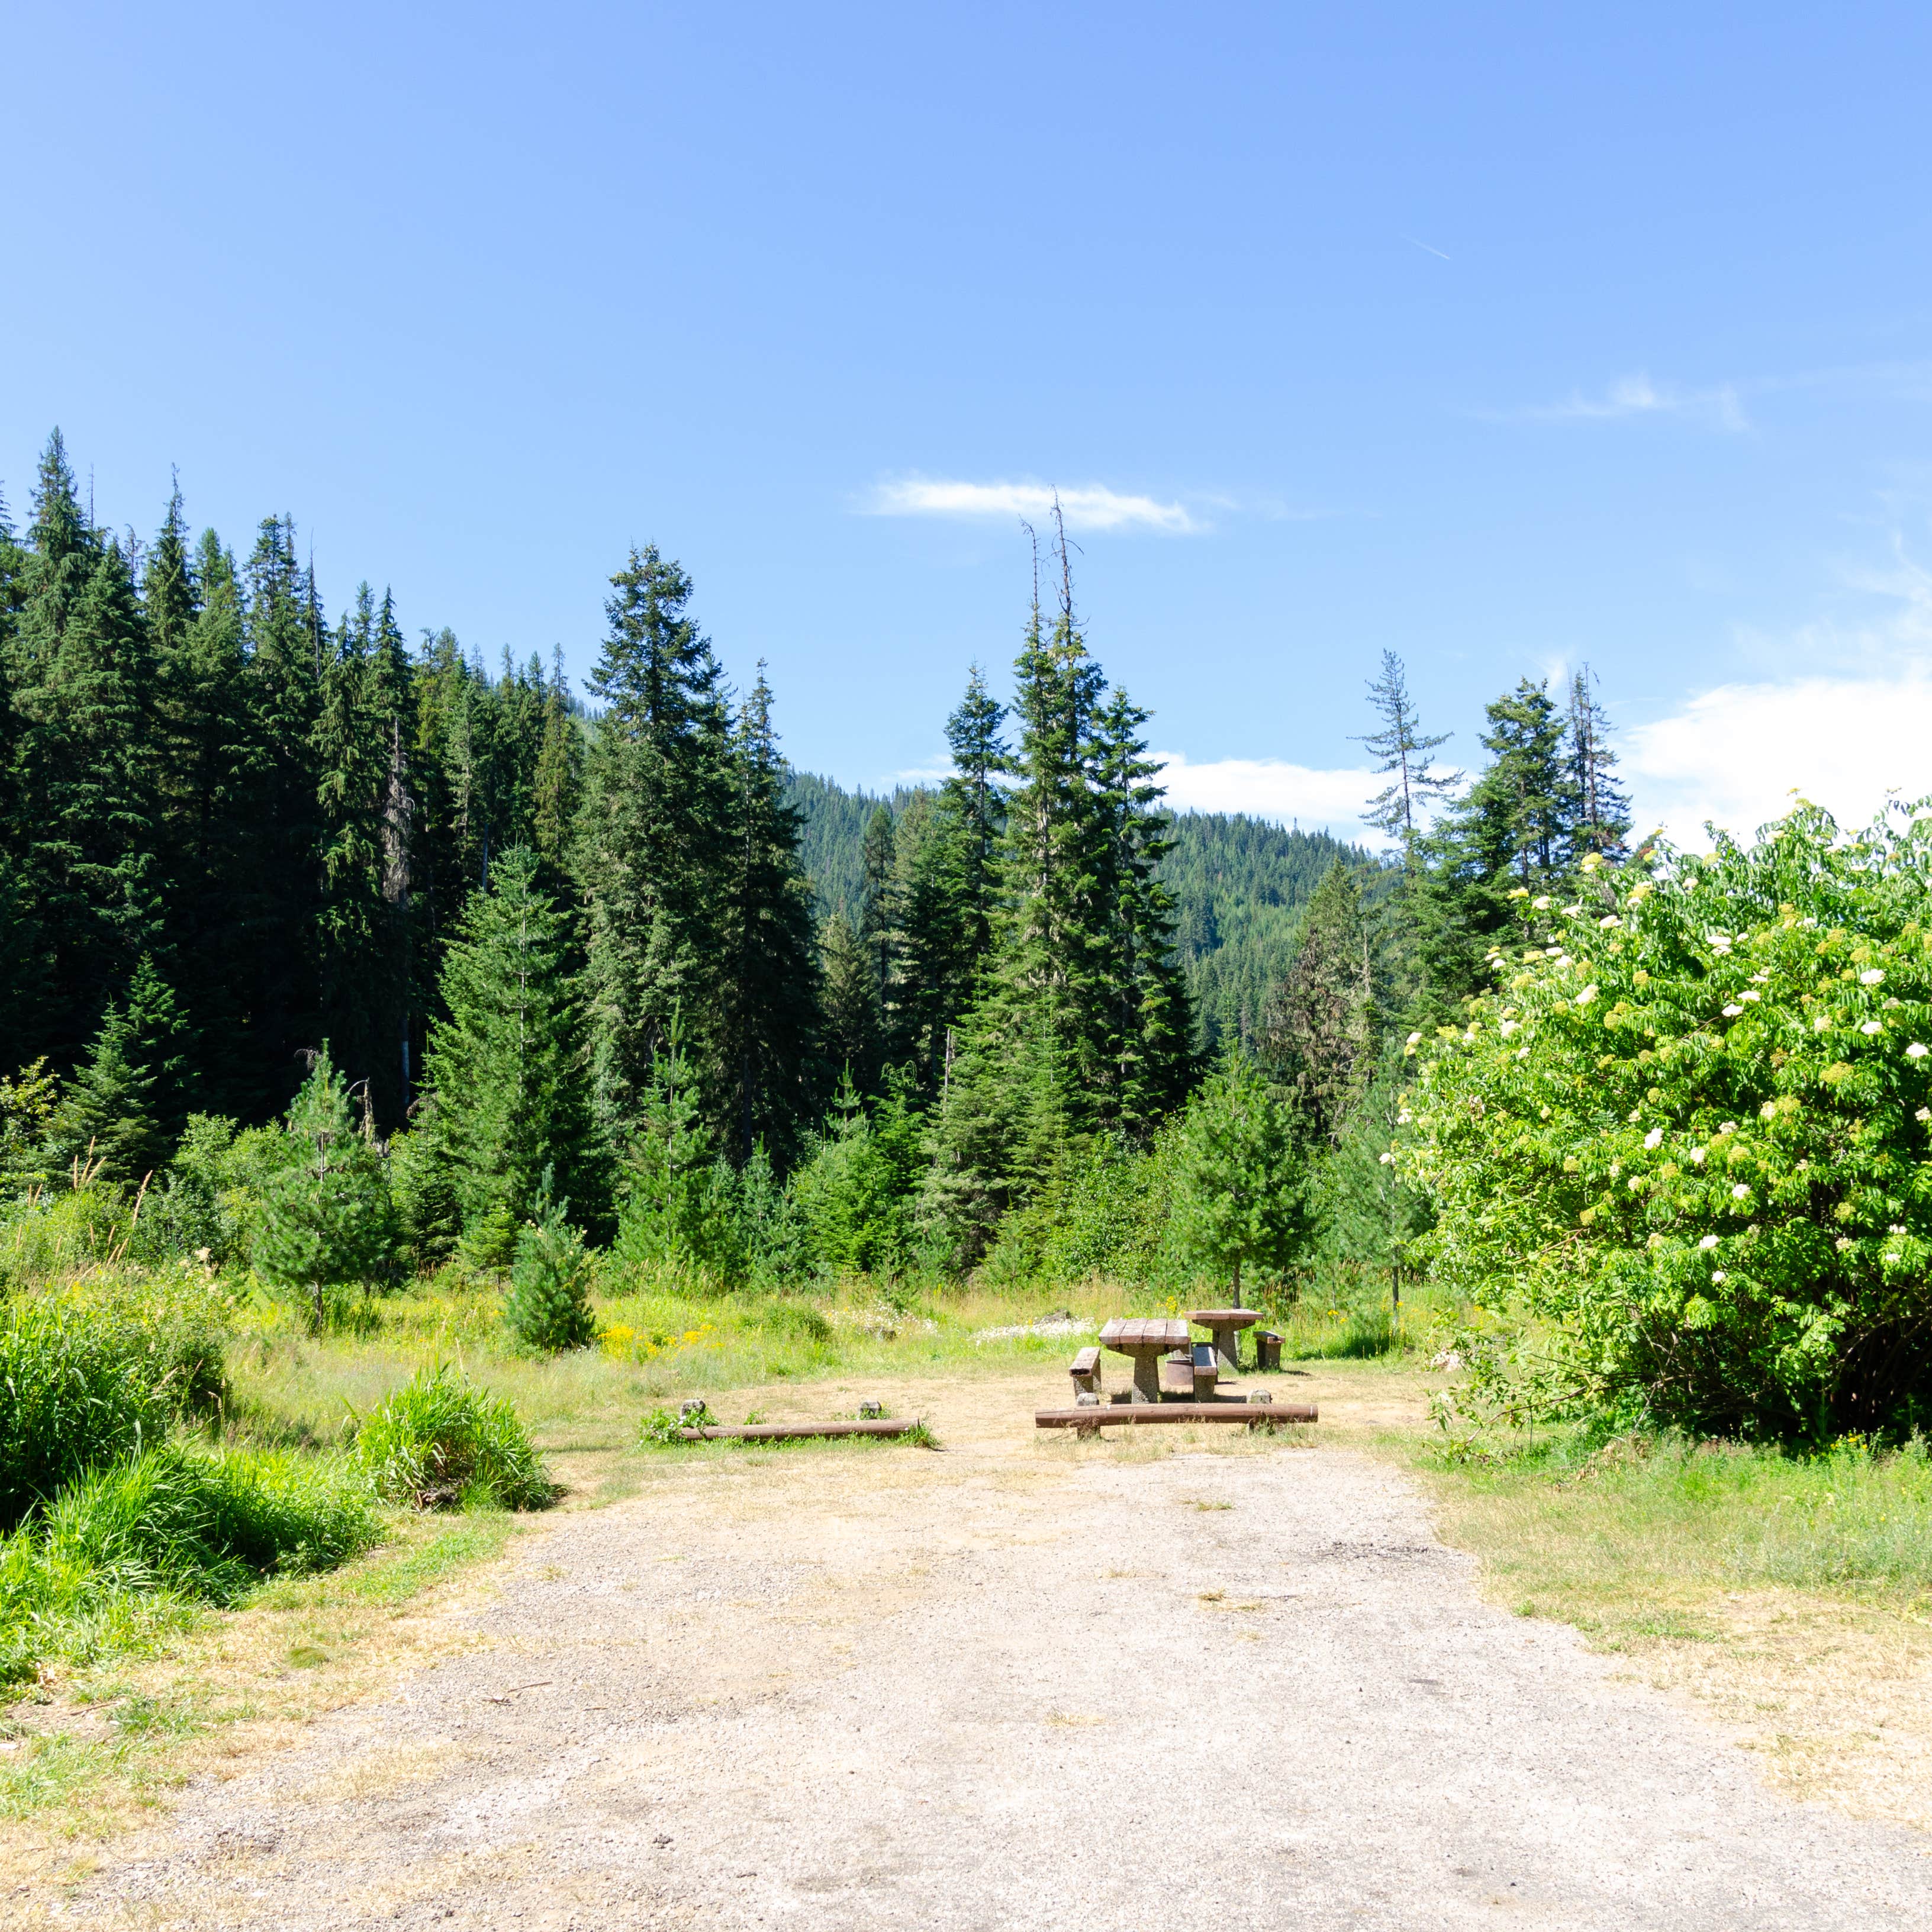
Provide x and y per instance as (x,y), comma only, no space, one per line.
(1505,337)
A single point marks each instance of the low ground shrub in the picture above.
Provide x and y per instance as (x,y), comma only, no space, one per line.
(440,1442)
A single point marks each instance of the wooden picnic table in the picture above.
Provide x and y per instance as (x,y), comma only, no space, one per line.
(1226,1324)
(1146,1338)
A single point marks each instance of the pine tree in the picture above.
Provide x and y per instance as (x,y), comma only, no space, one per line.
(770,1020)
(547,1309)
(508,1065)
(1320,1033)
(82,690)
(1600,809)
(1246,1187)
(327,1220)
(653,848)
(1400,809)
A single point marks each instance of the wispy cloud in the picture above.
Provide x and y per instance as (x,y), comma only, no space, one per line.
(1273,789)
(1090,507)
(1425,248)
(1637,396)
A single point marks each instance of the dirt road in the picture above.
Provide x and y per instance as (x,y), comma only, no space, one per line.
(1021,1683)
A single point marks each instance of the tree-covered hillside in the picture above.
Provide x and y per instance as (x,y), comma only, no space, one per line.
(1238,884)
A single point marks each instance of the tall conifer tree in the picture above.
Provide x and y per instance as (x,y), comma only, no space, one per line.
(507,1063)
(654,847)
(769,1025)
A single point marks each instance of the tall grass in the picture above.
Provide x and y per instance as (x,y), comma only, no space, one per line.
(440,1441)
(83,1384)
(132,1547)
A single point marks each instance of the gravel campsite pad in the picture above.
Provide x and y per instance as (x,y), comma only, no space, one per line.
(1020,1682)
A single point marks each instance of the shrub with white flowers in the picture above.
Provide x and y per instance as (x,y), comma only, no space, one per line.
(1686,1145)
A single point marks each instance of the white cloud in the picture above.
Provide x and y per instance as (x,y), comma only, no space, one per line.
(1638,396)
(1270,788)
(1734,755)
(1092,507)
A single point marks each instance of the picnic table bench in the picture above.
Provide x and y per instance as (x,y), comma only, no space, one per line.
(1226,1324)
(1086,1369)
(1145,1340)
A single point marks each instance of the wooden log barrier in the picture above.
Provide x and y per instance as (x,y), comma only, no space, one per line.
(787,1432)
(1129,1415)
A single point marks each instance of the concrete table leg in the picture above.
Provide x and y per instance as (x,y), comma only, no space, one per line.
(1146,1374)
(1227,1346)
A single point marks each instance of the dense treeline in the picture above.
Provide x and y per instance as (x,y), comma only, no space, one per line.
(365,956)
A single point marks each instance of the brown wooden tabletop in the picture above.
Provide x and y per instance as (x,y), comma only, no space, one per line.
(1225,1318)
(1129,1335)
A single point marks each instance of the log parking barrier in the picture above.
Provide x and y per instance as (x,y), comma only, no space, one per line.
(785,1432)
(1127,1415)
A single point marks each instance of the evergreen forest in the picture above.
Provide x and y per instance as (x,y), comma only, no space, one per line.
(288,892)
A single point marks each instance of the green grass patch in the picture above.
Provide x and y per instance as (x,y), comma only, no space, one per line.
(1635,1538)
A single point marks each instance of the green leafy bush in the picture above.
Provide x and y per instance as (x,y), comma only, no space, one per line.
(547,1309)
(125,1544)
(1681,1150)
(440,1442)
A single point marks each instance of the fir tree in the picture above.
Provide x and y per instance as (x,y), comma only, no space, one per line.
(547,1309)
(770,1020)
(1145,1013)
(1599,810)
(878,917)
(82,688)
(1513,828)
(653,848)
(507,1065)
(1320,1034)
(327,1220)
(853,1024)
(1246,1194)
(106,1119)
(1401,808)
(275,893)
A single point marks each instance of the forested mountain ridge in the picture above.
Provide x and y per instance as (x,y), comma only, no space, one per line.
(1239,885)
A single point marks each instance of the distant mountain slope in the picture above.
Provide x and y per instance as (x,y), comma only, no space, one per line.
(1239,884)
